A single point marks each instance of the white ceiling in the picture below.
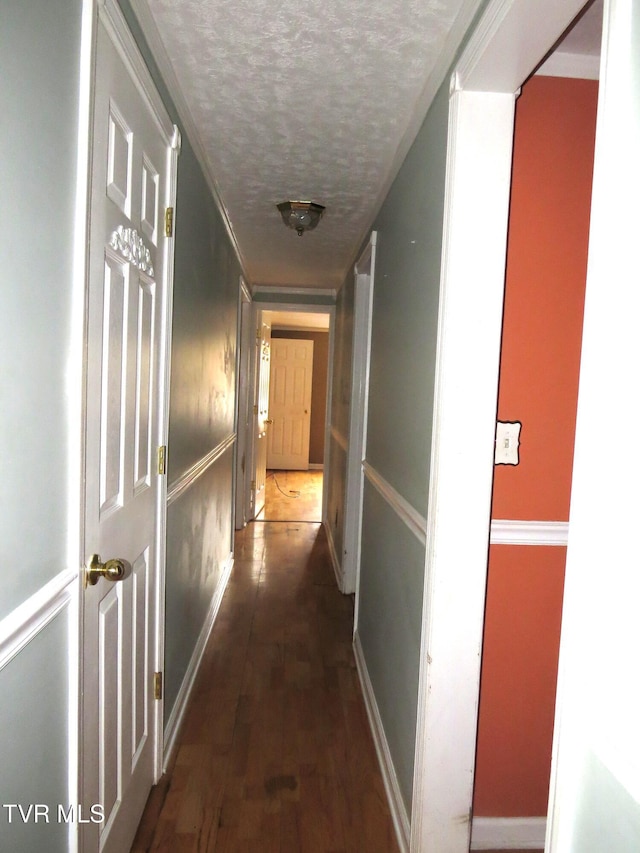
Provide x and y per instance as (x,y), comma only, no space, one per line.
(303,100)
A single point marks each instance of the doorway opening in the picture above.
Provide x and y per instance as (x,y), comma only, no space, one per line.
(554,139)
(295,417)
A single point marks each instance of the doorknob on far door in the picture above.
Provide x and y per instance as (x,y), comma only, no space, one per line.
(112,570)
(269,421)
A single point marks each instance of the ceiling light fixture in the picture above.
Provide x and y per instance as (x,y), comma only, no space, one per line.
(301,215)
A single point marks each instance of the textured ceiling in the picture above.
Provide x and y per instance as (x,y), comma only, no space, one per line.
(313,100)
(307,101)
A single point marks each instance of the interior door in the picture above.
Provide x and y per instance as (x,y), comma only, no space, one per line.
(595,791)
(261,415)
(290,404)
(128,260)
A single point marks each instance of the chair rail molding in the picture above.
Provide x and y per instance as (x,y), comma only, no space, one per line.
(186,480)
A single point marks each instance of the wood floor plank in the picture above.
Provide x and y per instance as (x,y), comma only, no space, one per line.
(275,754)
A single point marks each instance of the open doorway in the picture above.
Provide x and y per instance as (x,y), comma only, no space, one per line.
(554,139)
(298,394)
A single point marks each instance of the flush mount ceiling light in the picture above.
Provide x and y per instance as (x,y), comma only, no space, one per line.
(301,215)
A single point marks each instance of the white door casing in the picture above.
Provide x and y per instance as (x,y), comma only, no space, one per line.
(509,41)
(290,389)
(243,495)
(364,277)
(261,414)
(595,780)
(129,302)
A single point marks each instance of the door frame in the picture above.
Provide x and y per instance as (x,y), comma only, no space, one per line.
(510,39)
(308,344)
(108,11)
(364,273)
(299,308)
(244,395)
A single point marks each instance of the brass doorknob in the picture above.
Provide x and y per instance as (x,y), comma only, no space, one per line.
(112,570)
(269,421)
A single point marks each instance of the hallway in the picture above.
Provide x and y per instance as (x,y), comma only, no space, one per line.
(276,752)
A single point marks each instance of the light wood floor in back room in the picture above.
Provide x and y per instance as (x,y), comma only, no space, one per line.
(275,755)
(293,496)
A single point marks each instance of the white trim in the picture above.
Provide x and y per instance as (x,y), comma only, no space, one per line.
(333,554)
(316,466)
(281,290)
(416,523)
(27,620)
(364,278)
(76,383)
(186,480)
(116,26)
(574,65)
(164,381)
(392,788)
(179,709)
(243,415)
(510,532)
(339,438)
(508,833)
(156,46)
(508,43)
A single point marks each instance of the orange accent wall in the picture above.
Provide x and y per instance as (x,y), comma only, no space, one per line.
(542,330)
(544,296)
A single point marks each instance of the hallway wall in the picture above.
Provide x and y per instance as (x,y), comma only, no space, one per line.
(403,352)
(40,405)
(202,412)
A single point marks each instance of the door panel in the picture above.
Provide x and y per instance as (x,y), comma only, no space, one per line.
(290,404)
(130,178)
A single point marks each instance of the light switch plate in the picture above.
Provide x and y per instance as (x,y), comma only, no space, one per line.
(507,442)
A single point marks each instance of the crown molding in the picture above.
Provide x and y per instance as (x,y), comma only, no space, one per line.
(282,290)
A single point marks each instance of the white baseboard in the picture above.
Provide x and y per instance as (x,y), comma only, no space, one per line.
(396,803)
(508,833)
(337,568)
(175,720)
(316,466)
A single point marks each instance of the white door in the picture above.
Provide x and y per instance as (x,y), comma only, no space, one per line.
(261,415)
(129,262)
(595,790)
(290,404)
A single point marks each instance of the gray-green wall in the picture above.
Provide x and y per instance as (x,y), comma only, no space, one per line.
(201,418)
(39,84)
(401,390)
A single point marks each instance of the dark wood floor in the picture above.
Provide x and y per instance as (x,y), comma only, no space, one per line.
(276,753)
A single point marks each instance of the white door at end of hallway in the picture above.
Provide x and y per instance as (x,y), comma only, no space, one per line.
(128,263)
(290,404)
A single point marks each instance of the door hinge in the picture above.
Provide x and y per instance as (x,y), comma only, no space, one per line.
(253,485)
(157,685)
(162,459)
(258,334)
(168,222)
(255,410)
